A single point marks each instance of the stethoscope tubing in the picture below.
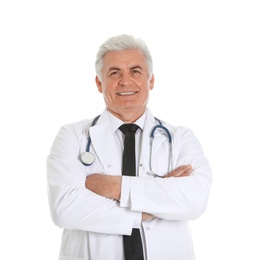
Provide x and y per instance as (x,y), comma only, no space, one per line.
(89,138)
(152,136)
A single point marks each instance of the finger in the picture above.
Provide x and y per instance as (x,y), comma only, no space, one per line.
(183,170)
(186,173)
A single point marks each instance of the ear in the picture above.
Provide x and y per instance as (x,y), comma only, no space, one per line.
(152,81)
(98,84)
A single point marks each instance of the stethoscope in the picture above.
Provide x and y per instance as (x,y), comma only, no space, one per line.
(88,158)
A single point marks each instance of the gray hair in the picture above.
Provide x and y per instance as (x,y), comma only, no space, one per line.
(120,43)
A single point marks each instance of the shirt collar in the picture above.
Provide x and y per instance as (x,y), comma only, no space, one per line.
(116,122)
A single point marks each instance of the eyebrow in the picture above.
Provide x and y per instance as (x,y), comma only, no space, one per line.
(131,68)
(136,67)
(113,68)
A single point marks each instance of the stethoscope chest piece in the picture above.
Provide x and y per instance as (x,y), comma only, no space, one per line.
(87,158)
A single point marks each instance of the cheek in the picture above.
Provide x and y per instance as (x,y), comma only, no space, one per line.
(146,91)
(108,96)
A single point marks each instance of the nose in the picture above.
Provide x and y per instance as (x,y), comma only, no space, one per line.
(125,79)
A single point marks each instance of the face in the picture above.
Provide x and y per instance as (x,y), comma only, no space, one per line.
(125,82)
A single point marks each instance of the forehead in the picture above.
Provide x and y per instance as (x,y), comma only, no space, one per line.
(124,58)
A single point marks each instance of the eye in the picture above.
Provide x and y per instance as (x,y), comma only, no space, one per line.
(114,73)
(135,71)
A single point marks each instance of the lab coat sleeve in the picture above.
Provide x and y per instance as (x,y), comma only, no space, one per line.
(72,205)
(181,198)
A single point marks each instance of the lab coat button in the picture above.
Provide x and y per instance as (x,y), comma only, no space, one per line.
(147,228)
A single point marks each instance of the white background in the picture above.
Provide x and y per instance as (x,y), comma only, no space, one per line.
(206,64)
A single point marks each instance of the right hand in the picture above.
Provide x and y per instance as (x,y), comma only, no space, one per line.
(181,171)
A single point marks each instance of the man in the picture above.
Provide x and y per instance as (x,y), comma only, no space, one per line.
(96,203)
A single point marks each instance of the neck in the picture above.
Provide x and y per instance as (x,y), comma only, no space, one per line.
(128,116)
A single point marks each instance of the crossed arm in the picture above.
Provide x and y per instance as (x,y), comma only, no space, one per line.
(110,186)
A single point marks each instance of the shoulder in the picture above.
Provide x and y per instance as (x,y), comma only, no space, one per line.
(179,130)
(179,133)
(76,128)
(80,128)
(78,125)
(175,131)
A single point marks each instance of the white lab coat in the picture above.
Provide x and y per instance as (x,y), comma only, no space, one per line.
(94,225)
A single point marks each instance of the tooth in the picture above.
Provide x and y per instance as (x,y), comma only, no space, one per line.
(126,93)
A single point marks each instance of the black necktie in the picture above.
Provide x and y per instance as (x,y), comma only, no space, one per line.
(132,244)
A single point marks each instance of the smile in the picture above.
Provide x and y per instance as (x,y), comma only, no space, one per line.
(126,93)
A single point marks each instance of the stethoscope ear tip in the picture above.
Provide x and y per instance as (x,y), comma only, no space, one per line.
(87,158)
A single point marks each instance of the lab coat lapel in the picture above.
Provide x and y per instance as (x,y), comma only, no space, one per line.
(104,146)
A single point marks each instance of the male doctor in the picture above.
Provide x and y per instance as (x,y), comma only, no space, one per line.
(97,205)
